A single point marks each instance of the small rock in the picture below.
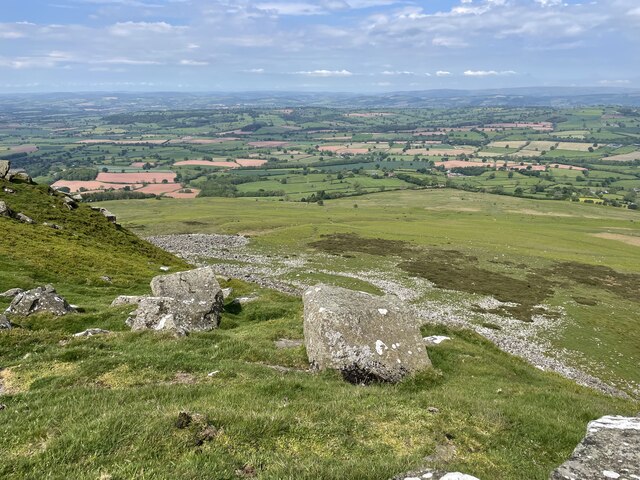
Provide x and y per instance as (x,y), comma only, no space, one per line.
(24,219)
(52,225)
(5,324)
(12,292)
(164,268)
(213,374)
(227,292)
(37,300)
(127,300)
(433,410)
(8,190)
(433,475)
(70,203)
(287,343)
(106,278)
(90,332)
(5,211)
(244,300)
(18,176)
(435,339)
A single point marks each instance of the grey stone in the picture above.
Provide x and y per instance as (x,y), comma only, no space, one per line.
(52,225)
(183,302)
(18,176)
(24,219)
(106,278)
(5,324)
(434,475)
(244,300)
(126,300)
(367,338)
(108,215)
(611,449)
(12,292)
(5,166)
(5,211)
(38,300)
(70,203)
(227,292)
(8,190)
(90,332)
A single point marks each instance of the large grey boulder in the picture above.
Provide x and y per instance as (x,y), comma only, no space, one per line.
(5,166)
(38,300)
(365,337)
(5,324)
(182,302)
(611,449)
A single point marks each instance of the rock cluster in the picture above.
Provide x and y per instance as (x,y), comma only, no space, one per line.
(610,450)
(181,302)
(5,324)
(107,214)
(38,300)
(366,338)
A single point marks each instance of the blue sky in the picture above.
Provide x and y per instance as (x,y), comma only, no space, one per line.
(326,45)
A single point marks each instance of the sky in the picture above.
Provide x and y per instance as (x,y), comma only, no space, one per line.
(327,45)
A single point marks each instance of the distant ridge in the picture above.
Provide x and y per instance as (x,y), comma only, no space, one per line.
(114,102)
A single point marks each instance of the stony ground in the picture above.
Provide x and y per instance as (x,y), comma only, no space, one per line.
(235,259)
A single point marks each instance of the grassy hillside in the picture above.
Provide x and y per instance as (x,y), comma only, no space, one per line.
(107,407)
(74,257)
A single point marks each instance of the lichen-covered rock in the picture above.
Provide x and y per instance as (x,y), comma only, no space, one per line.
(183,302)
(38,300)
(5,166)
(365,337)
(434,475)
(5,324)
(610,450)
(18,176)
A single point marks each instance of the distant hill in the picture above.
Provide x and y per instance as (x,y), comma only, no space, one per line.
(110,102)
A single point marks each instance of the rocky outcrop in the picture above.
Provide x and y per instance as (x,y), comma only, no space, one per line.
(5,324)
(182,302)
(610,450)
(18,176)
(38,300)
(24,218)
(5,166)
(365,337)
(108,215)
(433,475)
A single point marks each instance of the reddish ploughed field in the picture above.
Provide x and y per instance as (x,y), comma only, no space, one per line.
(136,177)
(202,141)
(23,149)
(250,162)
(93,185)
(207,163)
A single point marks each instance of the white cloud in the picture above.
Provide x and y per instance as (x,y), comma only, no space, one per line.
(614,82)
(193,63)
(125,29)
(326,73)
(258,71)
(487,73)
(449,42)
(397,72)
(442,73)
